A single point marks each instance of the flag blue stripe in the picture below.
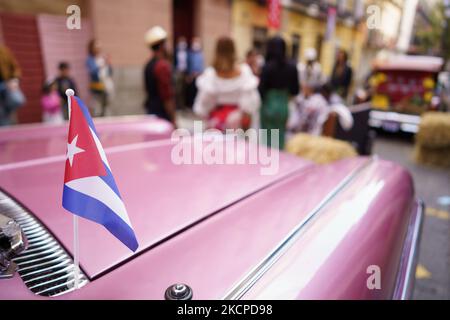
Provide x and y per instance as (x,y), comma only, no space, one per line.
(109,180)
(92,209)
(86,114)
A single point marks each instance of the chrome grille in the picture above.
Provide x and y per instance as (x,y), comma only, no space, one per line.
(45,267)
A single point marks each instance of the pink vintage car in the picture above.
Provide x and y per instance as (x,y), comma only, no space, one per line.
(206,231)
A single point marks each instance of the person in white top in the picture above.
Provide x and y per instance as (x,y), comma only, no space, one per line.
(310,73)
(315,110)
(311,80)
(227,92)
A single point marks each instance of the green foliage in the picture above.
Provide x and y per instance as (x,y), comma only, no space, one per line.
(431,39)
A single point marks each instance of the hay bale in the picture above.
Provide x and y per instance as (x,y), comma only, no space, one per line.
(434,130)
(432,156)
(319,149)
(433,140)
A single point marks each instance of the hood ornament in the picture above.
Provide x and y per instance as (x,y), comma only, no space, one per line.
(179,291)
(12,243)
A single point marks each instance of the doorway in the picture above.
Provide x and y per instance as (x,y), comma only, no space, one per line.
(183,19)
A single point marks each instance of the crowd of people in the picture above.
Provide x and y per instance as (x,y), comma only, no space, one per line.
(255,93)
(271,92)
(53,98)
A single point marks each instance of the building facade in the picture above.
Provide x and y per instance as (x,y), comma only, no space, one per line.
(303,25)
(36,32)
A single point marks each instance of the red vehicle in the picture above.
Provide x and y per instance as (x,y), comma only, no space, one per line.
(402,89)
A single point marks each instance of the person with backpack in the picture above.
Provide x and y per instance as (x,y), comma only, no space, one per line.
(11,97)
(100,72)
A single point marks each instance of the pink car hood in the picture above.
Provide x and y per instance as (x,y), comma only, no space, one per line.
(162,198)
(213,226)
(36,141)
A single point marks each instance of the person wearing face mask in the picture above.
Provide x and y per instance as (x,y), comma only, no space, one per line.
(196,66)
(181,66)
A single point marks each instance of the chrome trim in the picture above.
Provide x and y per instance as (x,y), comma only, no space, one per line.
(408,122)
(178,291)
(58,255)
(45,267)
(244,285)
(65,269)
(48,282)
(48,245)
(37,236)
(412,255)
(54,288)
(395,116)
(32,255)
(13,243)
(40,243)
(61,264)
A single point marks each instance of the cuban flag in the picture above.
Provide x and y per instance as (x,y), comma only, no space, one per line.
(89,187)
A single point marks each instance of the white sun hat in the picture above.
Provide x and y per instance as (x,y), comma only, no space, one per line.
(310,54)
(155,35)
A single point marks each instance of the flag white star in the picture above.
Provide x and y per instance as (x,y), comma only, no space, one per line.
(72,149)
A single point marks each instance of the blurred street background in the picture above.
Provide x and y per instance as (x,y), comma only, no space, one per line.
(395,53)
